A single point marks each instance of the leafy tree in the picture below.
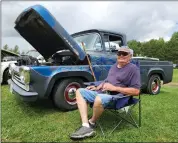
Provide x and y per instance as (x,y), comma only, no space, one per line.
(167,51)
(171,48)
(16,49)
(136,46)
(6,47)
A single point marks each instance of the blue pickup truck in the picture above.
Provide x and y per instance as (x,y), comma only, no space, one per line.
(66,66)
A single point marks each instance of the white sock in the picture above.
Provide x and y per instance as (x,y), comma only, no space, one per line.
(91,122)
(86,125)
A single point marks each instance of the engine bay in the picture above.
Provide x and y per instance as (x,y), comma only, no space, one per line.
(62,57)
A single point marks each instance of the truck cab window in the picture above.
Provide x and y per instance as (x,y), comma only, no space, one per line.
(112,42)
(92,41)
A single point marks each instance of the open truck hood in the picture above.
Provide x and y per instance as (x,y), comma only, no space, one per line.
(44,32)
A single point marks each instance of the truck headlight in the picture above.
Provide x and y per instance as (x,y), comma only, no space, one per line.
(25,75)
(11,67)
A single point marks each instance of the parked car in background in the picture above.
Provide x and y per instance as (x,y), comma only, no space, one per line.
(7,57)
(66,66)
(146,58)
(35,54)
(175,65)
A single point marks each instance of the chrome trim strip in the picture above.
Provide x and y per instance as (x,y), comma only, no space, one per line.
(20,85)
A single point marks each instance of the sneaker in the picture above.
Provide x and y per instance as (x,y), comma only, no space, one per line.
(92,125)
(82,132)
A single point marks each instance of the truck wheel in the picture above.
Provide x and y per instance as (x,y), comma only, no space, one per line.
(64,94)
(6,76)
(154,85)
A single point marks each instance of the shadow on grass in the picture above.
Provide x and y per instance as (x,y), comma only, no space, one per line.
(109,120)
(40,107)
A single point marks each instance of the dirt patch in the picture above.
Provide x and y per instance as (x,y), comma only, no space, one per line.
(173,84)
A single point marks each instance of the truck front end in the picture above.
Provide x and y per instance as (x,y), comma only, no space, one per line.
(20,82)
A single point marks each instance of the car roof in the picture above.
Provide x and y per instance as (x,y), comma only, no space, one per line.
(102,30)
(98,30)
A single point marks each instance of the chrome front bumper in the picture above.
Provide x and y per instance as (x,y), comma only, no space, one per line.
(24,95)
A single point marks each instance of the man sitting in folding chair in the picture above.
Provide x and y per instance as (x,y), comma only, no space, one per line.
(123,79)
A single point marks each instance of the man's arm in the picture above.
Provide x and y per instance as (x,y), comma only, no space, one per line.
(123,90)
(127,90)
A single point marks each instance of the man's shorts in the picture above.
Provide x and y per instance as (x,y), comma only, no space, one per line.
(90,96)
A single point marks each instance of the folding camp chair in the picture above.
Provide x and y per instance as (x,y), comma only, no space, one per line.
(121,106)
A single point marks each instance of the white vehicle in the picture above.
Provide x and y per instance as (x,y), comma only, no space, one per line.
(146,58)
(7,58)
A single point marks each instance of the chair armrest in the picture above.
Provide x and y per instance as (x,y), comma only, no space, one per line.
(96,83)
(119,96)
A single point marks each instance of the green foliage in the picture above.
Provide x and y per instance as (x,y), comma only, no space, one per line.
(175,76)
(14,50)
(6,47)
(136,46)
(157,48)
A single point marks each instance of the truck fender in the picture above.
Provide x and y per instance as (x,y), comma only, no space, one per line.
(80,74)
(158,71)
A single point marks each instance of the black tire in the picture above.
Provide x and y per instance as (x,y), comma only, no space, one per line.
(61,97)
(6,76)
(154,85)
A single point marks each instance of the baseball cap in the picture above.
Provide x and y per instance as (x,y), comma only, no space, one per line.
(125,49)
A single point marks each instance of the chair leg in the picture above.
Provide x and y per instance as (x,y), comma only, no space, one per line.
(115,127)
(139,113)
(101,128)
(133,120)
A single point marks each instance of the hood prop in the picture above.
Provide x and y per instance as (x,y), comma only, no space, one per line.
(90,65)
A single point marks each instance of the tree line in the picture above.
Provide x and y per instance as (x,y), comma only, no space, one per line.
(164,50)
(14,50)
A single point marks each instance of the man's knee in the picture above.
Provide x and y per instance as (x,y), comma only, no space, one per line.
(78,92)
(98,101)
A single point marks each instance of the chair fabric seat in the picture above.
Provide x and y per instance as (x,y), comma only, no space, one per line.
(118,101)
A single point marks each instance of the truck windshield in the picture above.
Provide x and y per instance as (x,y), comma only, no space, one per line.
(92,41)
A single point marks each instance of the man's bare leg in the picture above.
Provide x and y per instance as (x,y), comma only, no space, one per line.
(82,106)
(97,109)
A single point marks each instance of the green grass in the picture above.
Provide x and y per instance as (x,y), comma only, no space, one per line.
(41,122)
(175,75)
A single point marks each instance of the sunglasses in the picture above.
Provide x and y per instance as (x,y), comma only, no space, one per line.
(122,53)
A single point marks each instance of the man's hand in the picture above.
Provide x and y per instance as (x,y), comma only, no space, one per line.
(92,87)
(109,87)
(99,86)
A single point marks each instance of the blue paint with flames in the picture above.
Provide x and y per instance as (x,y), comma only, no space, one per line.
(99,66)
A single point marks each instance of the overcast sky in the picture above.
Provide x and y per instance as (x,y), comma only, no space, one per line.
(139,20)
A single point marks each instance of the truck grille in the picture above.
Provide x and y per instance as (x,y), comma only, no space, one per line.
(16,77)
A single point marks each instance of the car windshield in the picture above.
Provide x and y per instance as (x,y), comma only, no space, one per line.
(91,41)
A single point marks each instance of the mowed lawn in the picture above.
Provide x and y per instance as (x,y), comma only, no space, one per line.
(41,122)
(175,76)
